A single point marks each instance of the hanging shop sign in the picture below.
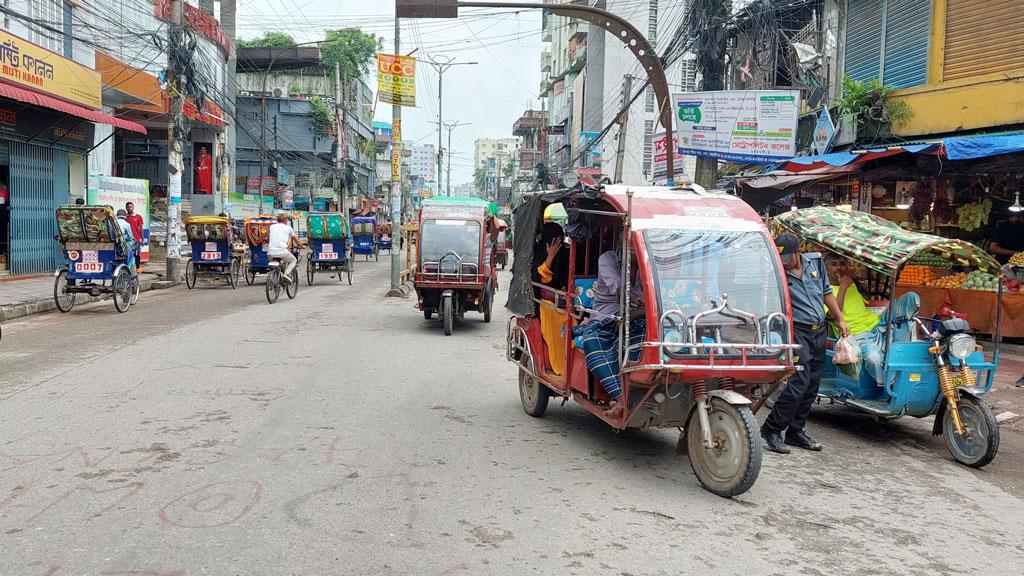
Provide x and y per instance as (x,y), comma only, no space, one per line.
(824,131)
(396,79)
(197,20)
(590,161)
(659,158)
(738,125)
(34,67)
(41,126)
(396,159)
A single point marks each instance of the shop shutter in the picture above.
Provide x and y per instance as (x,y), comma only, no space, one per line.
(863,39)
(983,37)
(39,183)
(907,27)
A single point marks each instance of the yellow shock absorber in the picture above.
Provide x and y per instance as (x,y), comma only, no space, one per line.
(949,391)
(968,376)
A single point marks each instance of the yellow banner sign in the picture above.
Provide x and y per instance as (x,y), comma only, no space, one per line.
(396,79)
(26,64)
(396,150)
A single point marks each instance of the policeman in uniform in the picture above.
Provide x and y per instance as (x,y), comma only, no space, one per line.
(810,293)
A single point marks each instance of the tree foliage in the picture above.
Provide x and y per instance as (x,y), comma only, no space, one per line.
(480,179)
(268,40)
(352,47)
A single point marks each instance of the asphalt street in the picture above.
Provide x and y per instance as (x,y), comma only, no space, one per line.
(340,433)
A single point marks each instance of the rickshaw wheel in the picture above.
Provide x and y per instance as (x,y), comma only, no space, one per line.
(250,276)
(136,289)
(310,271)
(447,314)
(731,467)
(64,300)
(273,285)
(122,286)
(236,270)
(533,395)
(190,275)
(981,442)
(488,300)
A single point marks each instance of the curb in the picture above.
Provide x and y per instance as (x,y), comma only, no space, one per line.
(43,305)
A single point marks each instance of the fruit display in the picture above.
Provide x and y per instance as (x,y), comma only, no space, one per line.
(974,215)
(979,280)
(1017,259)
(951,281)
(915,275)
(932,260)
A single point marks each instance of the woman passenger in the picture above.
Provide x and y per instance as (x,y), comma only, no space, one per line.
(551,263)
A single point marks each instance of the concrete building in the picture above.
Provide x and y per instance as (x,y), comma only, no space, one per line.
(422,160)
(499,158)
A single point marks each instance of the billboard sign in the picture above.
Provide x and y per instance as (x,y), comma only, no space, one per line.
(659,165)
(36,68)
(738,125)
(116,192)
(396,79)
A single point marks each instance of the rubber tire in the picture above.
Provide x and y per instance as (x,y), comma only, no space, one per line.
(348,272)
(62,279)
(447,314)
(273,285)
(984,413)
(190,274)
(428,313)
(292,289)
(121,284)
(137,289)
(538,404)
(250,276)
(488,302)
(749,448)
(234,272)
(310,271)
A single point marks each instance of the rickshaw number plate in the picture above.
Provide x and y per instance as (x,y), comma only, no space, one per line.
(328,255)
(327,248)
(211,246)
(210,255)
(90,256)
(88,267)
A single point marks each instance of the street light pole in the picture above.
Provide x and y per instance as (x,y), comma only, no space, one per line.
(450,126)
(396,183)
(442,66)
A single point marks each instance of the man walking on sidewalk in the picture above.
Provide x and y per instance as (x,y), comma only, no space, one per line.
(810,292)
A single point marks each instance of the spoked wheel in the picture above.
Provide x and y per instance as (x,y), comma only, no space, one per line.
(250,276)
(730,467)
(65,300)
(136,289)
(980,442)
(236,271)
(123,289)
(348,272)
(273,285)
(532,393)
(190,275)
(447,313)
(310,271)
(376,255)
(292,288)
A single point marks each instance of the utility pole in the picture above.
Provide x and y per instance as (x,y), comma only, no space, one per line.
(396,183)
(450,126)
(339,167)
(707,20)
(627,90)
(175,133)
(441,66)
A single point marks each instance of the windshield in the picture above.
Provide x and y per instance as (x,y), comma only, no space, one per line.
(460,236)
(692,269)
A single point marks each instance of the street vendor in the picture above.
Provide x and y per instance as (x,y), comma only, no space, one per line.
(866,327)
(1009,238)
(810,293)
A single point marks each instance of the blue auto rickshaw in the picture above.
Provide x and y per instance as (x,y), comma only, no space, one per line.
(210,238)
(932,366)
(96,255)
(327,233)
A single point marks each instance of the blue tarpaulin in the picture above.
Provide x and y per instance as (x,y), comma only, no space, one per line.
(844,158)
(966,148)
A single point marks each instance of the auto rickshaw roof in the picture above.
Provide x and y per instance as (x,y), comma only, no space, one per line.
(876,243)
(206,220)
(364,220)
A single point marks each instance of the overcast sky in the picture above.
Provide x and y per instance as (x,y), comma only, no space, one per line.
(491,95)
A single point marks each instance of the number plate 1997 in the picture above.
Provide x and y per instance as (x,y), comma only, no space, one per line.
(328,255)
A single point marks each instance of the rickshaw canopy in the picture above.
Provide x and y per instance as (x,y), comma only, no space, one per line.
(206,220)
(326,225)
(88,223)
(876,243)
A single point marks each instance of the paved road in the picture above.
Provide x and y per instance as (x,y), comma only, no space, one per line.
(207,432)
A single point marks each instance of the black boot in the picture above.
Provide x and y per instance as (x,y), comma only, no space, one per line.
(773,441)
(802,440)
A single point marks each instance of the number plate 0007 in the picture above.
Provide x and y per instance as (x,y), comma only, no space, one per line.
(89,267)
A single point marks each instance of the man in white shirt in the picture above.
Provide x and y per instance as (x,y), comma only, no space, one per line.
(280,238)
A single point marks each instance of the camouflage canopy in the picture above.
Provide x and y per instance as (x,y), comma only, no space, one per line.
(877,243)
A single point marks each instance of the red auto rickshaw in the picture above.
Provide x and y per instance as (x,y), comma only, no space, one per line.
(716,337)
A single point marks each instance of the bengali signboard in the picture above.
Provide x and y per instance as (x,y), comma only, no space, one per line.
(26,64)
(738,125)
(396,155)
(659,161)
(396,79)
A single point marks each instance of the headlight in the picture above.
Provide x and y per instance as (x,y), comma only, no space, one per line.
(961,346)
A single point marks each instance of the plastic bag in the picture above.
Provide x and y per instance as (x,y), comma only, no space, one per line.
(845,352)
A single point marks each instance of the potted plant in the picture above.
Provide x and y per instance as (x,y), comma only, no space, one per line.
(873,107)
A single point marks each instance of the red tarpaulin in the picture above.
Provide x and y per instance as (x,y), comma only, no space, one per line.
(29,97)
